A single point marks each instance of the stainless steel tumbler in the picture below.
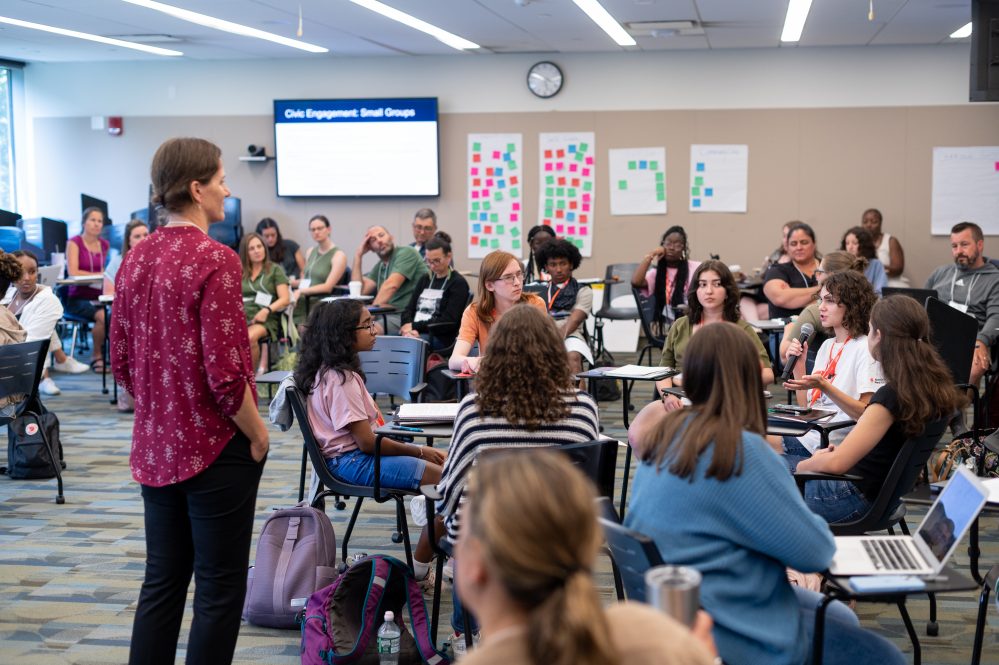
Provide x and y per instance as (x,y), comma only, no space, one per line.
(675,590)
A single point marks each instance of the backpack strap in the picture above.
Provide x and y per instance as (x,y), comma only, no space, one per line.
(281,573)
(419,625)
(380,570)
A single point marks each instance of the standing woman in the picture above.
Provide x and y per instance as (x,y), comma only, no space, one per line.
(285,253)
(86,255)
(501,286)
(858,242)
(664,273)
(179,345)
(325,265)
(792,286)
(265,293)
(888,247)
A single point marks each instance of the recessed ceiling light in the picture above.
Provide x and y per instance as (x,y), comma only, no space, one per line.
(226,26)
(607,23)
(794,21)
(449,38)
(962,32)
(89,37)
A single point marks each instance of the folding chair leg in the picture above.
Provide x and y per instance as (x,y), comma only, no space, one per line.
(400,512)
(618,582)
(917,656)
(54,458)
(932,627)
(436,610)
(350,527)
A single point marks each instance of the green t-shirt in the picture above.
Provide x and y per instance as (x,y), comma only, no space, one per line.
(407,262)
(266,282)
(679,336)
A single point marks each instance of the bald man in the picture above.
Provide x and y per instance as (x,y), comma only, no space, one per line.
(394,277)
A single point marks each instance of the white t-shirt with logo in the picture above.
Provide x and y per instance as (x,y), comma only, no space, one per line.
(856,373)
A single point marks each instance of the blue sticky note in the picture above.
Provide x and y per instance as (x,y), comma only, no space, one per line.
(483,216)
(570,217)
(501,183)
(498,171)
(476,228)
(709,191)
(572,147)
(696,203)
(700,166)
(643,164)
(506,157)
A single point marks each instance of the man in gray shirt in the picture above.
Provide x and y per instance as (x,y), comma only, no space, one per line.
(971,285)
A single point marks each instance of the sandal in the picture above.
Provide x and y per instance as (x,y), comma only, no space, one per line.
(97,366)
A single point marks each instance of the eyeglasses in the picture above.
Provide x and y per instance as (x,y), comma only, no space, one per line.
(511,278)
(436,262)
(369,326)
(421,227)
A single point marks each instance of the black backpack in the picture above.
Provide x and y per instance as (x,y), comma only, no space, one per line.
(31,448)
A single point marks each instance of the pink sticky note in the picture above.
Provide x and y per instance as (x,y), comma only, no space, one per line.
(586,173)
(997,166)
(560,166)
(586,207)
(485,193)
(548,166)
(583,230)
(475,170)
(572,230)
(514,217)
(516,205)
(489,182)
(586,197)
(560,228)
(496,154)
(589,161)
(475,193)
(573,166)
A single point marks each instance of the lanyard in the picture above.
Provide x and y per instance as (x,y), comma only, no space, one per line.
(383,271)
(967,297)
(829,372)
(260,280)
(551,298)
(446,278)
(803,278)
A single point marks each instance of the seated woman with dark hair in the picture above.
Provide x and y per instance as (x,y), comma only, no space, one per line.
(858,241)
(567,300)
(712,495)
(545,409)
(918,395)
(791,286)
(439,297)
(664,273)
(536,237)
(286,253)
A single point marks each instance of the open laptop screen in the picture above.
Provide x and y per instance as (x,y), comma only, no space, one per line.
(952,514)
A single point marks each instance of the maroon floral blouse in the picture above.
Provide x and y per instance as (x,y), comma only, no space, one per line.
(179,345)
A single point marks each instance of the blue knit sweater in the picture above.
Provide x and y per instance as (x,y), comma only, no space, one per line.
(740,534)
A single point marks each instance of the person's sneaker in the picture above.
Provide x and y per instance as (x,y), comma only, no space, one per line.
(428,582)
(458,647)
(48,387)
(71,366)
(418,509)
(449,571)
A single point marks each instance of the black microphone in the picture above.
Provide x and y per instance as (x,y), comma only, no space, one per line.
(806,332)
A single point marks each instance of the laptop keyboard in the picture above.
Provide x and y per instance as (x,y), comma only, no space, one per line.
(890,554)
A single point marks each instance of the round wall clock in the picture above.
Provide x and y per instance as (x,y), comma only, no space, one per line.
(544,79)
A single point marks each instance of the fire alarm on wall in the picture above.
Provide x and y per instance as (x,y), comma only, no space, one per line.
(115,126)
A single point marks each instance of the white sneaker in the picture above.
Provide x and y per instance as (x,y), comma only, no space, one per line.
(71,366)
(418,509)
(458,647)
(449,571)
(48,387)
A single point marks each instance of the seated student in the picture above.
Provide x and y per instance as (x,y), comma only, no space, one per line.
(713,297)
(11,332)
(712,495)
(525,351)
(440,297)
(393,279)
(918,392)
(135,232)
(757,307)
(325,267)
(501,286)
(86,255)
(536,237)
(664,273)
(528,574)
(286,253)
(343,415)
(265,294)
(858,242)
(567,299)
(845,376)
(791,286)
(832,263)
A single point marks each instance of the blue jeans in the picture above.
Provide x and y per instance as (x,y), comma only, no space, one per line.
(397,471)
(832,500)
(844,641)
(456,619)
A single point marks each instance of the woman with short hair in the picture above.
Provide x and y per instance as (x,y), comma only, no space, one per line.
(325,267)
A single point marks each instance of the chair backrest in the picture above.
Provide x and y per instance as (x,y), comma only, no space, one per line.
(899,481)
(646,305)
(953,333)
(618,284)
(598,461)
(633,554)
(394,366)
(539,289)
(11,238)
(20,371)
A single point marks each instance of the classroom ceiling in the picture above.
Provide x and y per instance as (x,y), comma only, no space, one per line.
(499,26)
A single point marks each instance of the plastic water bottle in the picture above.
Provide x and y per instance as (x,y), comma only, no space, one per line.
(388,641)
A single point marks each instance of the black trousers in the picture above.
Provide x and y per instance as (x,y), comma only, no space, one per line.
(202,526)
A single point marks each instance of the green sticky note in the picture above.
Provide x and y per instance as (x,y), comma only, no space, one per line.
(549,202)
(483,242)
(548,212)
(477,147)
(549,192)
(572,193)
(516,244)
(512,165)
(580,156)
(698,180)
(498,196)
(560,191)
(578,242)
(654,165)
(472,217)
(587,186)
(695,191)
(515,231)
(561,204)
(583,147)
(549,180)
(494,243)
(476,205)
(493,217)
(660,177)
(486,205)
(660,187)
(510,147)
(632,165)
(500,230)
(660,196)
(515,192)
(622,184)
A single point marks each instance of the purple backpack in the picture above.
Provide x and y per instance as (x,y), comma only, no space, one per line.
(342,620)
(296,554)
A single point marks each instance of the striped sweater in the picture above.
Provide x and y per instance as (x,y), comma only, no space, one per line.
(474,433)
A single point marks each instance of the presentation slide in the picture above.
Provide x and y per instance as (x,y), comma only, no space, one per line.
(357,147)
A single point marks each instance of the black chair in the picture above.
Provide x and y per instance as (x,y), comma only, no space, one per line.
(21,367)
(395,367)
(632,554)
(340,488)
(653,341)
(953,334)
(617,284)
(444,334)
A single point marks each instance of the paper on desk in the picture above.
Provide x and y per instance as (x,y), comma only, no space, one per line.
(635,371)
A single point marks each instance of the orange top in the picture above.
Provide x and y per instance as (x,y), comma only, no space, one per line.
(473,329)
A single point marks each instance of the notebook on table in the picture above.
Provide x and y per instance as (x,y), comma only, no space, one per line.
(432,412)
(927,550)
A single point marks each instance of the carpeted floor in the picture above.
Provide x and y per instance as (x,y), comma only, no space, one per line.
(70,574)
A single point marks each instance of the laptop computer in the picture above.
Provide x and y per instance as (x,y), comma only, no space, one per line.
(928,549)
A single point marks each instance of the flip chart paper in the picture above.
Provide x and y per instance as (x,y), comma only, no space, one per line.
(965,188)
(719,178)
(638,181)
(495,198)
(566,165)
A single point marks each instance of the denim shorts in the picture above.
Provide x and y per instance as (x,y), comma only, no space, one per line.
(832,500)
(397,471)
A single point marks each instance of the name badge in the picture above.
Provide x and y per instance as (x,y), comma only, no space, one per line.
(304,283)
(263,299)
(959,306)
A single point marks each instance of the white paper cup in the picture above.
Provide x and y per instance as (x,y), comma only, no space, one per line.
(355,289)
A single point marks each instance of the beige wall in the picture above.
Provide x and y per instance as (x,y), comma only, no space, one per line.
(823,166)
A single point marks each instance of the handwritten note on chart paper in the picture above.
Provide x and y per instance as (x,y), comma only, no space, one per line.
(965,188)
(719,178)
(495,194)
(567,191)
(637,181)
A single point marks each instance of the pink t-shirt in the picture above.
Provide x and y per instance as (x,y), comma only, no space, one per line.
(650,278)
(333,405)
